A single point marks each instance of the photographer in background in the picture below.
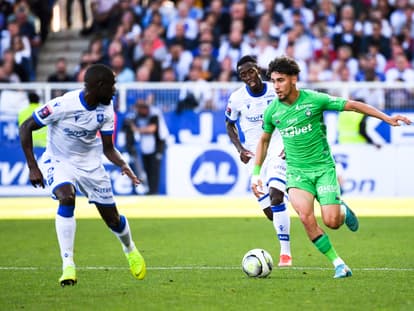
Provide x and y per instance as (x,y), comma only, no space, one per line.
(146,126)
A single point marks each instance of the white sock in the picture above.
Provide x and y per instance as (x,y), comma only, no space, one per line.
(65,230)
(338,261)
(125,237)
(281,223)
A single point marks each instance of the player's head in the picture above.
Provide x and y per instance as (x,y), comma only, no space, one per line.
(249,72)
(100,84)
(283,72)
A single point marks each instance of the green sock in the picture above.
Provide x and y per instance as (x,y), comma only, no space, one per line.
(323,244)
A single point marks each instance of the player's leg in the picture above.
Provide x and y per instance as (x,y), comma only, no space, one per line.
(60,180)
(274,170)
(334,211)
(65,224)
(120,227)
(302,201)
(96,185)
(281,223)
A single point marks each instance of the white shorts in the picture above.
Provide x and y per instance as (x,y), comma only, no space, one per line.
(95,184)
(272,174)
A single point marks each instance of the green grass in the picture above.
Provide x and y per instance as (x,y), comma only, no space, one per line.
(194,264)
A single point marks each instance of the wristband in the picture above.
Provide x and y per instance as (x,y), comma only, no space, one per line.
(256,169)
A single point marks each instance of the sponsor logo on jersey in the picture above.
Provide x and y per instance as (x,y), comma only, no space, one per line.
(45,112)
(303,106)
(81,133)
(254,118)
(292,131)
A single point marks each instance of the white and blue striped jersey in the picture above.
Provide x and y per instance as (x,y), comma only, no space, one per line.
(73,128)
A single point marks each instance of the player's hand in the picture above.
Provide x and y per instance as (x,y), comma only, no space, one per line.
(246,155)
(257,186)
(398,120)
(36,177)
(126,170)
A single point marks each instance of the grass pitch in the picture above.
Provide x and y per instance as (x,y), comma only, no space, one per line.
(194,264)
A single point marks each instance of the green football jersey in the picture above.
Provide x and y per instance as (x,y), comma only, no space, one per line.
(302,128)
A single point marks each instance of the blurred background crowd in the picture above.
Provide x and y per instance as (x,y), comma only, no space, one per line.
(190,40)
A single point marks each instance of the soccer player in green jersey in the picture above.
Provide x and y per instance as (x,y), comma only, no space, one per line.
(298,115)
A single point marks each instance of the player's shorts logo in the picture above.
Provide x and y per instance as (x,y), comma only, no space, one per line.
(214,172)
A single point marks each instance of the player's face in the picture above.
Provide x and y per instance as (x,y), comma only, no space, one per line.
(106,91)
(284,85)
(249,74)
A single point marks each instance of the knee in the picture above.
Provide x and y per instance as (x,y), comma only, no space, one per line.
(67,199)
(276,197)
(332,221)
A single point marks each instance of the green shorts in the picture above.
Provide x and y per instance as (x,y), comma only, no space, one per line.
(323,184)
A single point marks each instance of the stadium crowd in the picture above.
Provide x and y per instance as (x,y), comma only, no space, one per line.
(332,40)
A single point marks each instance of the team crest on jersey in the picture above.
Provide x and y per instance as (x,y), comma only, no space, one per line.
(45,112)
(100,117)
(308,112)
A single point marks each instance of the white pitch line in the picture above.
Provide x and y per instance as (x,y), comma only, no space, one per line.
(201,268)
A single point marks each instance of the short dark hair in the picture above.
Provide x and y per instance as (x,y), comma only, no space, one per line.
(33,97)
(285,65)
(98,72)
(246,59)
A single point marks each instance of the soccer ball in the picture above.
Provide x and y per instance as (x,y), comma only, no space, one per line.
(257,263)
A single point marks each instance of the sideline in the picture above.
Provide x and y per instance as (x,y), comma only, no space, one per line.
(176,207)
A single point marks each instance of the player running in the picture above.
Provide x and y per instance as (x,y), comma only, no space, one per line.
(73,158)
(247,105)
(298,115)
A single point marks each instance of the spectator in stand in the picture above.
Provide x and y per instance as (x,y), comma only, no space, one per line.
(84,15)
(402,71)
(168,75)
(371,96)
(23,55)
(221,17)
(266,27)
(179,59)
(401,15)
(238,12)
(180,36)
(151,44)
(15,71)
(298,7)
(129,31)
(326,14)
(345,58)
(105,14)
(122,72)
(155,8)
(7,73)
(154,66)
(227,74)
(61,73)
(209,64)
(326,50)
(265,52)
(96,50)
(269,7)
(380,59)
(377,38)
(6,9)
(347,36)
(376,14)
(182,17)
(44,11)
(234,47)
(368,69)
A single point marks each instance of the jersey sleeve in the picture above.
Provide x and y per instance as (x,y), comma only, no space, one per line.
(268,126)
(332,102)
(108,125)
(231,112)
(49,112)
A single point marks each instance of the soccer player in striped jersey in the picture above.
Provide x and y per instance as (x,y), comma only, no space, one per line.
(73,160)
(246,105)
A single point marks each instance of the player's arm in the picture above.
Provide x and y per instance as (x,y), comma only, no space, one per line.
(233,133)
(26,141)
(261,151)
(116,158)
(357,106)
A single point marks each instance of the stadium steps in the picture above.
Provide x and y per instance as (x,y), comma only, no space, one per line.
(65,43)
